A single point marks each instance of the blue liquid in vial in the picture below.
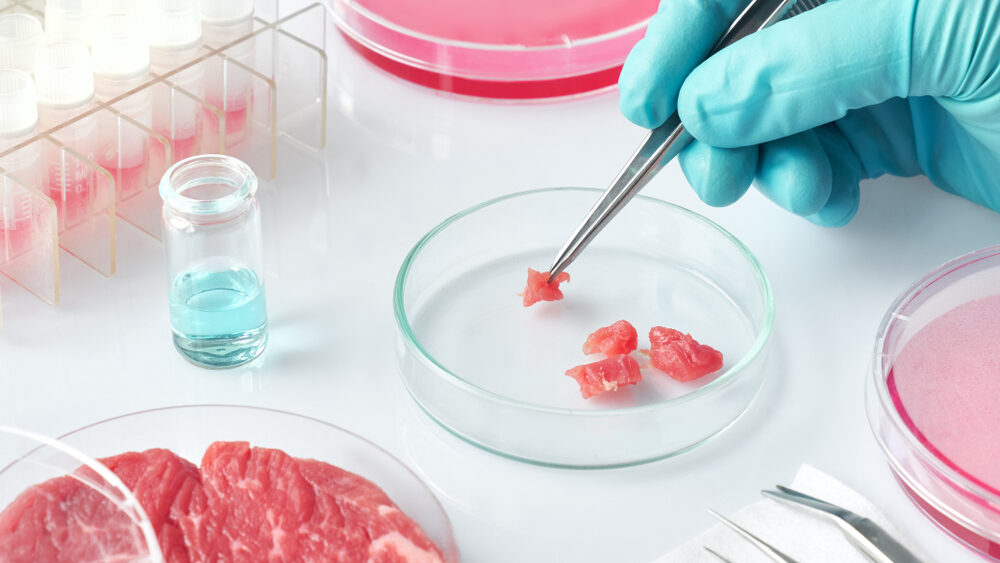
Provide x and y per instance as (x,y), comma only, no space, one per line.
(219,317)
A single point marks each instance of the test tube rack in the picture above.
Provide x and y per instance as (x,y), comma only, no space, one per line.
(287,71)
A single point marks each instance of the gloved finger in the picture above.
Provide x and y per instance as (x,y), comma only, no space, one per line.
(718,176)
(800,73)
(847,170)
(794,172)
(954,51)
(678,37)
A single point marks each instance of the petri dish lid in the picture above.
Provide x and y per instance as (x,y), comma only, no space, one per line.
(28,460)
(498,48)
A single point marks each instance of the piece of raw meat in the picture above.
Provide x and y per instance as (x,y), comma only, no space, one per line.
(680,356)
(252,506)
(539,288)
(606,375)
(243,505)
(394,536)
(163,483)
(63,520)
(619,338)
(260,504)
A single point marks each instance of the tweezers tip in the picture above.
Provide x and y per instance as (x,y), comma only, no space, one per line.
(554,271)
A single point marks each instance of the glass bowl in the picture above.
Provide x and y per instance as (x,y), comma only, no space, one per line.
(965,507)
(188,431)
(508,49)
(28,459)
(492,372)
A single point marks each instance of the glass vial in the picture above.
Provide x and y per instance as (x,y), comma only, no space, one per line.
(212,241)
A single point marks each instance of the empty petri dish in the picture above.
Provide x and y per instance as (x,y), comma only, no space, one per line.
(510,49)
(493,372)
(932,396)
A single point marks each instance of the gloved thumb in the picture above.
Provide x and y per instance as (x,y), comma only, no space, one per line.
(800,73)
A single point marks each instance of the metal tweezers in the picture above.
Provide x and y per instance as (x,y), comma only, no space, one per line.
(867,536)
(666,141)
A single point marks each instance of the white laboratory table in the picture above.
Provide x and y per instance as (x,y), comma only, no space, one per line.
(338,224)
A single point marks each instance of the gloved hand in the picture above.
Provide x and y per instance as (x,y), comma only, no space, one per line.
(814,104)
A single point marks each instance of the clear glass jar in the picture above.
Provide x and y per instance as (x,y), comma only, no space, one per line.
(212,241)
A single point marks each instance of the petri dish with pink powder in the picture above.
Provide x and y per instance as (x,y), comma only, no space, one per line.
(505,49)
(934,396)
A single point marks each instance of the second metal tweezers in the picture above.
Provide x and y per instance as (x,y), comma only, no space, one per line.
(662,143)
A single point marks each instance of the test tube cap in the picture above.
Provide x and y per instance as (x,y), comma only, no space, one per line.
(130,7)
(120,49)
(20,36)
(173,24)
(223,12)
(69,20)
(18,110)
(64,75)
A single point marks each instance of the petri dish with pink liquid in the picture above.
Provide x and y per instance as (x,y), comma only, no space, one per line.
(934,397)
(507,49)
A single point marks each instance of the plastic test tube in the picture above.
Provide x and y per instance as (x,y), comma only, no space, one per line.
(228,87)
(20,37)
(174,40)
(69,20)
(18,123)
(121,64)
(64,79)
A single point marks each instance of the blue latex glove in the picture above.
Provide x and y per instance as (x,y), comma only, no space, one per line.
(808,108)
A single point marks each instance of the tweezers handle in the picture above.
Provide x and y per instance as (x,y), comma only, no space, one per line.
(661,144)
(875,542)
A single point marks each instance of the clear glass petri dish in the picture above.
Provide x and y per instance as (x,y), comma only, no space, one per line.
(965,507)
(189,430)
(507,49)
(492,372)
(28,459)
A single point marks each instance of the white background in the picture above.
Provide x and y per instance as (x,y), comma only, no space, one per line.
(399,160)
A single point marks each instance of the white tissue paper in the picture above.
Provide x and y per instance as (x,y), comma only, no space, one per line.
(796,533)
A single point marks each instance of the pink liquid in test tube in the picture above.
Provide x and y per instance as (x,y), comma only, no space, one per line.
(64,78)
(229,86)
(15,222)
(237,119)
(175,39)
(184,147)
(18,123)
(70,185)
(121,64)
(131,180)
